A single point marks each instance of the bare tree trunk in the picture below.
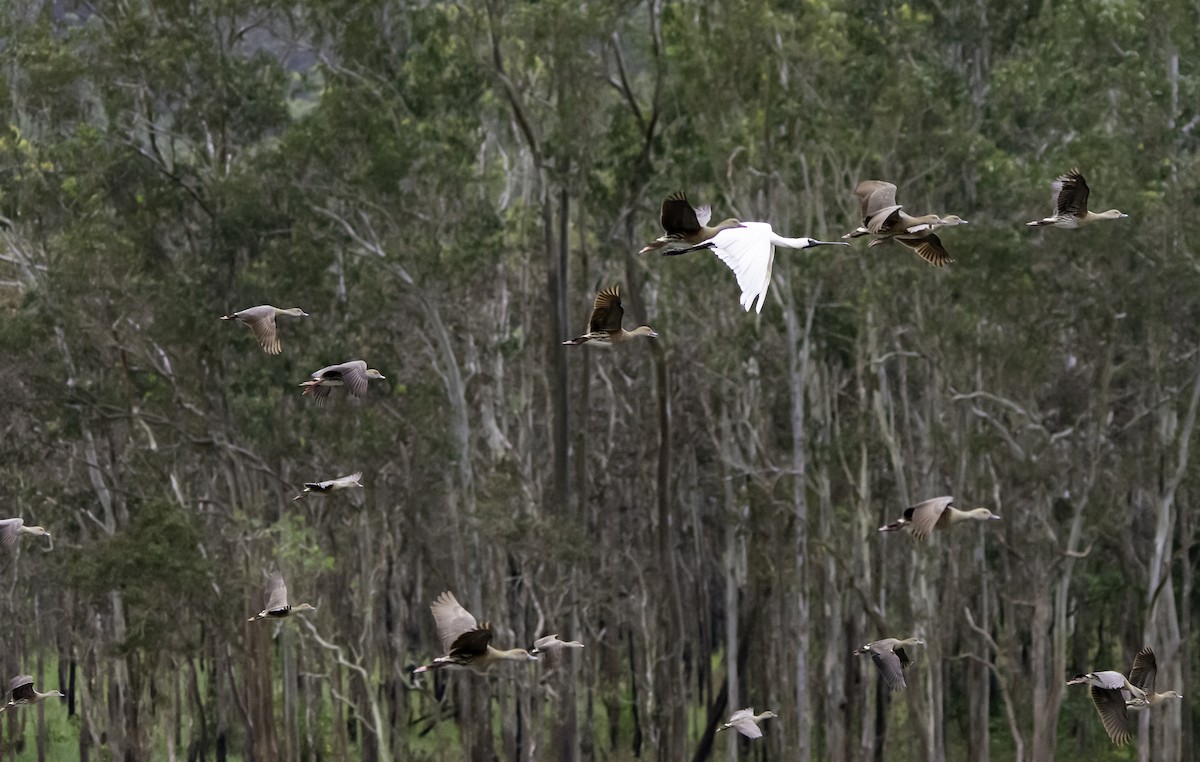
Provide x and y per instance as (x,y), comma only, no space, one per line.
(1162,620)
(290,745)
(799,345)
(734,569)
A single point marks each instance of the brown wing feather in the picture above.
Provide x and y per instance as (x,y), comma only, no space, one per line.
(607,311)
(678,216)
(451,618)
(873,196)
(10,531)
(924,516)
(263,326)
(1111,706)
(473,642)
(22,688)
(930,249)
(317,392)
(888,663)
(884,221)
(354,376)
(1072,194)
(1145,667)
(275,593)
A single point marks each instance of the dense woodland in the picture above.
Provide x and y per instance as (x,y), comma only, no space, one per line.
(443,187)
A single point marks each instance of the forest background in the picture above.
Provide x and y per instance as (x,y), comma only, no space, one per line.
(443,187)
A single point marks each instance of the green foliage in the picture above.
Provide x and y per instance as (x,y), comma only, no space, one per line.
(156,566)
(398,170)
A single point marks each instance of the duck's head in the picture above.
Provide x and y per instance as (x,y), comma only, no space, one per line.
(372,373)
(645,330)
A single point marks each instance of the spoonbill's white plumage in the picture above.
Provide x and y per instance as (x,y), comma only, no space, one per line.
(749,251)
(747,248)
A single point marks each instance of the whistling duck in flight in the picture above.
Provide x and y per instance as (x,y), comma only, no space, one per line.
(936,513)
(275,595)
(1110,693)
(745,721)
(11,531)
(353,375)
(1070,197)
(887,220)
(466,642)
(604,327)
(24,694)
(331,485)
(261,320)
(889,656)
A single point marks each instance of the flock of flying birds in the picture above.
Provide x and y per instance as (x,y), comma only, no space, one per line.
(747,248)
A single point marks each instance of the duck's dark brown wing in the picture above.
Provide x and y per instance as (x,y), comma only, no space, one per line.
(930,249)
(678,216)
(473,642)
(22,688)
(877,200)
(10,531)
(889,666)
(1071,194)
(1110,703)
(1145,667)
(874,196)
(354,376)
(453,621)
(607,311)
(262,322)
(924,516)
(275,593)
(319,393)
